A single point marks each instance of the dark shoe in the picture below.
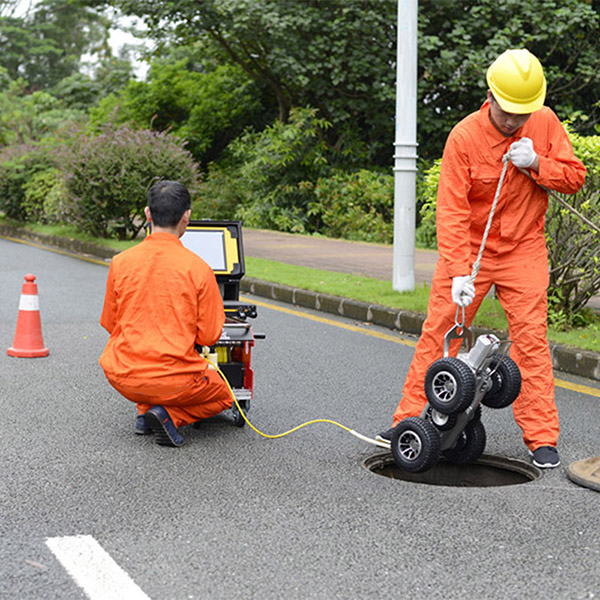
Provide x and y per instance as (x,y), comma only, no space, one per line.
(385,436)
(141,427)
(162,426)
(545,457)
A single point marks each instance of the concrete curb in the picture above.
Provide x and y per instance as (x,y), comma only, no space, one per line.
(575,361)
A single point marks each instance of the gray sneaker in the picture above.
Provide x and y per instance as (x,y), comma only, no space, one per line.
(545,457)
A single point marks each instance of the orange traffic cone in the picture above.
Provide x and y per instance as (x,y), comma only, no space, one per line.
(28,342)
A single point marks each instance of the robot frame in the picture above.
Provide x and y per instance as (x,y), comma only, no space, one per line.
(450,424)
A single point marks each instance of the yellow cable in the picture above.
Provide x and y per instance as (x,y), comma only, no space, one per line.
(280,435)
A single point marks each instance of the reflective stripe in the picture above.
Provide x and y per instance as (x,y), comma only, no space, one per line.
(29,302)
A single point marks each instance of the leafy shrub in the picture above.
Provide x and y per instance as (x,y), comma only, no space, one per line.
(18,165)
(355,206)
(426,234)
(268,177)
(45,198)
(219,193)
(108,177)
(574,247)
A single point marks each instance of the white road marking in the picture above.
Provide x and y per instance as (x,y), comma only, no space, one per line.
(92,568)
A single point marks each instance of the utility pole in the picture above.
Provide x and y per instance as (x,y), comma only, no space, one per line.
(405,148)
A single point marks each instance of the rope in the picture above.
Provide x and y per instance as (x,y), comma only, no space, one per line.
(563,202)
(477,263)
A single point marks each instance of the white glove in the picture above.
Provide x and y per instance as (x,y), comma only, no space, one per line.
(522,153)
(463,290)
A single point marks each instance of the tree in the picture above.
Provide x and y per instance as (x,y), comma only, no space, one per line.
(47,43)
(338,56)
(335,56)
(459,40)
(208,105)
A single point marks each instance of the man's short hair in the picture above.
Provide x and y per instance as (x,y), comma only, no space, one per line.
(168,201)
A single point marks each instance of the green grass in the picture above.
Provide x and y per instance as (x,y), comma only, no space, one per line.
(67,231)
(365,289)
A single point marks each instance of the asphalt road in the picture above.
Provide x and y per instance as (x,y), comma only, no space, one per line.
(233,515)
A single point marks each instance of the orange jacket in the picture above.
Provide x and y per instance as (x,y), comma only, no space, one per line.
(161,299)
(470,171)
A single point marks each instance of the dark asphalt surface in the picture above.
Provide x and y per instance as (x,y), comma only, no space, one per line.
(232,515)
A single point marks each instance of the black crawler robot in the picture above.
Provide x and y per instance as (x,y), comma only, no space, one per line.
(450,424)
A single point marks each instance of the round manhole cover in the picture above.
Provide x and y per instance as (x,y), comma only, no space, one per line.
(488,471)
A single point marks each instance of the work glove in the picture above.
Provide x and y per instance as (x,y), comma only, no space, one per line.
(522,153)
(463,290)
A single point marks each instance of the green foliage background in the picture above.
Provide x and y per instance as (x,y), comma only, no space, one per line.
(278,113)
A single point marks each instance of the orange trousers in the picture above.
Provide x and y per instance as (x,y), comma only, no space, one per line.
(521,281)
(203,395)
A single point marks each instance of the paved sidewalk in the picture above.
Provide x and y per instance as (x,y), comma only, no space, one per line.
(358,258)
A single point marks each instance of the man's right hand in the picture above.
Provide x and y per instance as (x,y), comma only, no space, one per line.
(463,290)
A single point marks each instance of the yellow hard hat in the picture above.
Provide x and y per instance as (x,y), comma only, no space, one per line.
(516,80)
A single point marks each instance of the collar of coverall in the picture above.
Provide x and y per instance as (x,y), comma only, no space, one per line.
(158,236)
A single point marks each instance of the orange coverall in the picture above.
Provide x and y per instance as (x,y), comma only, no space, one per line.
(162,299)
(515,258)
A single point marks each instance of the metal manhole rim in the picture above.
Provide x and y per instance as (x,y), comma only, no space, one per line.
(514,465)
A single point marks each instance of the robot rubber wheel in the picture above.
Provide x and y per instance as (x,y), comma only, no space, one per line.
(415,445)
(469,445)
(505,383)
(238,419)
(449,385)
(441,421)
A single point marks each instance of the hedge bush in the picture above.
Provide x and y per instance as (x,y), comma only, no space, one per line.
(20,164)
(108,177)
(355,206)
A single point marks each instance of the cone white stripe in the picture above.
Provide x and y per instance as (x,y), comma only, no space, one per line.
(29,302)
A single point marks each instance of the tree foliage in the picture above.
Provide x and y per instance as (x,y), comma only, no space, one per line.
(335,56)
(108,177)
(47,43)
(339,57)
(28,118)
(207,105)
(459,40)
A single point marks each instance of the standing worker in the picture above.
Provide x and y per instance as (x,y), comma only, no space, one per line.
(513,119)
(161,301)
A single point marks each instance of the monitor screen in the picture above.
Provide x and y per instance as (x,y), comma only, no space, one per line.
(208,245)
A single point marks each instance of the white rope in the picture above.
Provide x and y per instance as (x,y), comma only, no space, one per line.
(477,263)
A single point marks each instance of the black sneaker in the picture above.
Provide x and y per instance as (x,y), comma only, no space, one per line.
(163,427)
(545,457)
(141,427)
(385,436)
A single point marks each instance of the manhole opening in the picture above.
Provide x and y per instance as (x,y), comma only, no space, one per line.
(488,471)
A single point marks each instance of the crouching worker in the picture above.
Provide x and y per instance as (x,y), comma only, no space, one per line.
(161,300)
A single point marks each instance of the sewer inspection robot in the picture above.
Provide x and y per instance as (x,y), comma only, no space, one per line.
(450,424)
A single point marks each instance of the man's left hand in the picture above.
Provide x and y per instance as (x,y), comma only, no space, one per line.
(522,153)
